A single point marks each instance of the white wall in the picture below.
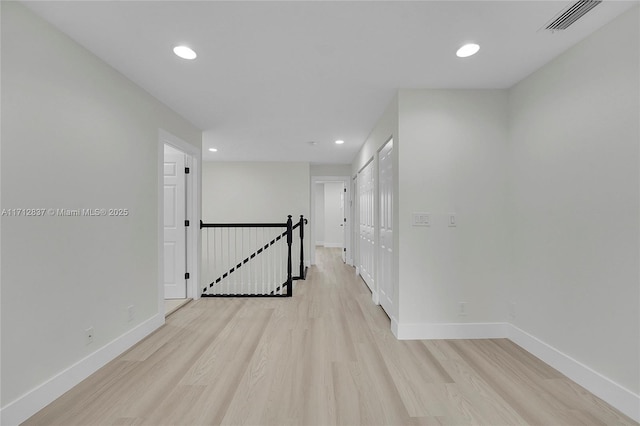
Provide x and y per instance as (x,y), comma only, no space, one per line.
(330,169)
(333,216)
(75,134)
(575,191)
(544,179)
(318,217)
(254,191)
(452,160)
(257,192)
(385,129)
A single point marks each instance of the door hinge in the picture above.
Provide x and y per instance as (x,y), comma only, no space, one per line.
(186,223)
(186,275)
(186,170)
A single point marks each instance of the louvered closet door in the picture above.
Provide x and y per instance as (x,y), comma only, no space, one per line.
(385,258)
(366,219)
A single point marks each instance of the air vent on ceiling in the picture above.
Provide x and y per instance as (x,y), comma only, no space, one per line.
(574,12)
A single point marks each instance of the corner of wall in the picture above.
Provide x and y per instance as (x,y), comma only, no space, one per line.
(608,390)
(30,403)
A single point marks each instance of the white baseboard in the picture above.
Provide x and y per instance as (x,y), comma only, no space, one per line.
(332,245)
(624,400)
(452,331)
(36,399)
(319,243)
(599,385)
(394,327)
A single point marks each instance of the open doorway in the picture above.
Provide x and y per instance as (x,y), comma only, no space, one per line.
(331,212)
(178,219)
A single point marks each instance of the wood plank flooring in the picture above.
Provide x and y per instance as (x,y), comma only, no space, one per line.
(324,357)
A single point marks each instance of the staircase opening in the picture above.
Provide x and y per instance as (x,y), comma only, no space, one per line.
(252,259)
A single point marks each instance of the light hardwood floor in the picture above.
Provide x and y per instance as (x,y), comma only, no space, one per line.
(172,305)
(324,357)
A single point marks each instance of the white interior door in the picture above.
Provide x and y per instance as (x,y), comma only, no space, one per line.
(175,286)
(385,197)
(355,229)
(343,224)
(366,221)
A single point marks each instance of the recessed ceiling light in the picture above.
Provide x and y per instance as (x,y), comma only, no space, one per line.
(184,52)
(339,142)
(468,50)
(213,150)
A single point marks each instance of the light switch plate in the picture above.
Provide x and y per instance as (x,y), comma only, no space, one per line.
(453,220)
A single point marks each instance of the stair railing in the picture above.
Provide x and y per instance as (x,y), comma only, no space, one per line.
(250,259)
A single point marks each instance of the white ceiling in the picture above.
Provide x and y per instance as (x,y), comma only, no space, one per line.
(272,76)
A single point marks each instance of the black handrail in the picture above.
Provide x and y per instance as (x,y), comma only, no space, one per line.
(242,225)
(250,225)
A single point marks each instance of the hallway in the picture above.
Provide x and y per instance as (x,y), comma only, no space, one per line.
(324,357)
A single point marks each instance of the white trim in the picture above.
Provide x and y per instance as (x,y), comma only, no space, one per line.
(394,327)
(332,245)
(160,176)
(194,159)
(599,385)
(320,243)
(495,330)
(614,394)
(194,244)
(36,399)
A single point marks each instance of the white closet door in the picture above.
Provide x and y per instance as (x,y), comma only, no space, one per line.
(366,222)
(385,258)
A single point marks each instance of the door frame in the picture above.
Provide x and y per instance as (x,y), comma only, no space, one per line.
(378,255)
(346,180)
(193,160)
(355,229)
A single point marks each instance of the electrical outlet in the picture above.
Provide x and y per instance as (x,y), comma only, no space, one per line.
(131,313)
(462,309)
(421,219)
(89,334)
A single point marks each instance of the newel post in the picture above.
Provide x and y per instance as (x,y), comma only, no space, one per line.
(302,277)
(289,241)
